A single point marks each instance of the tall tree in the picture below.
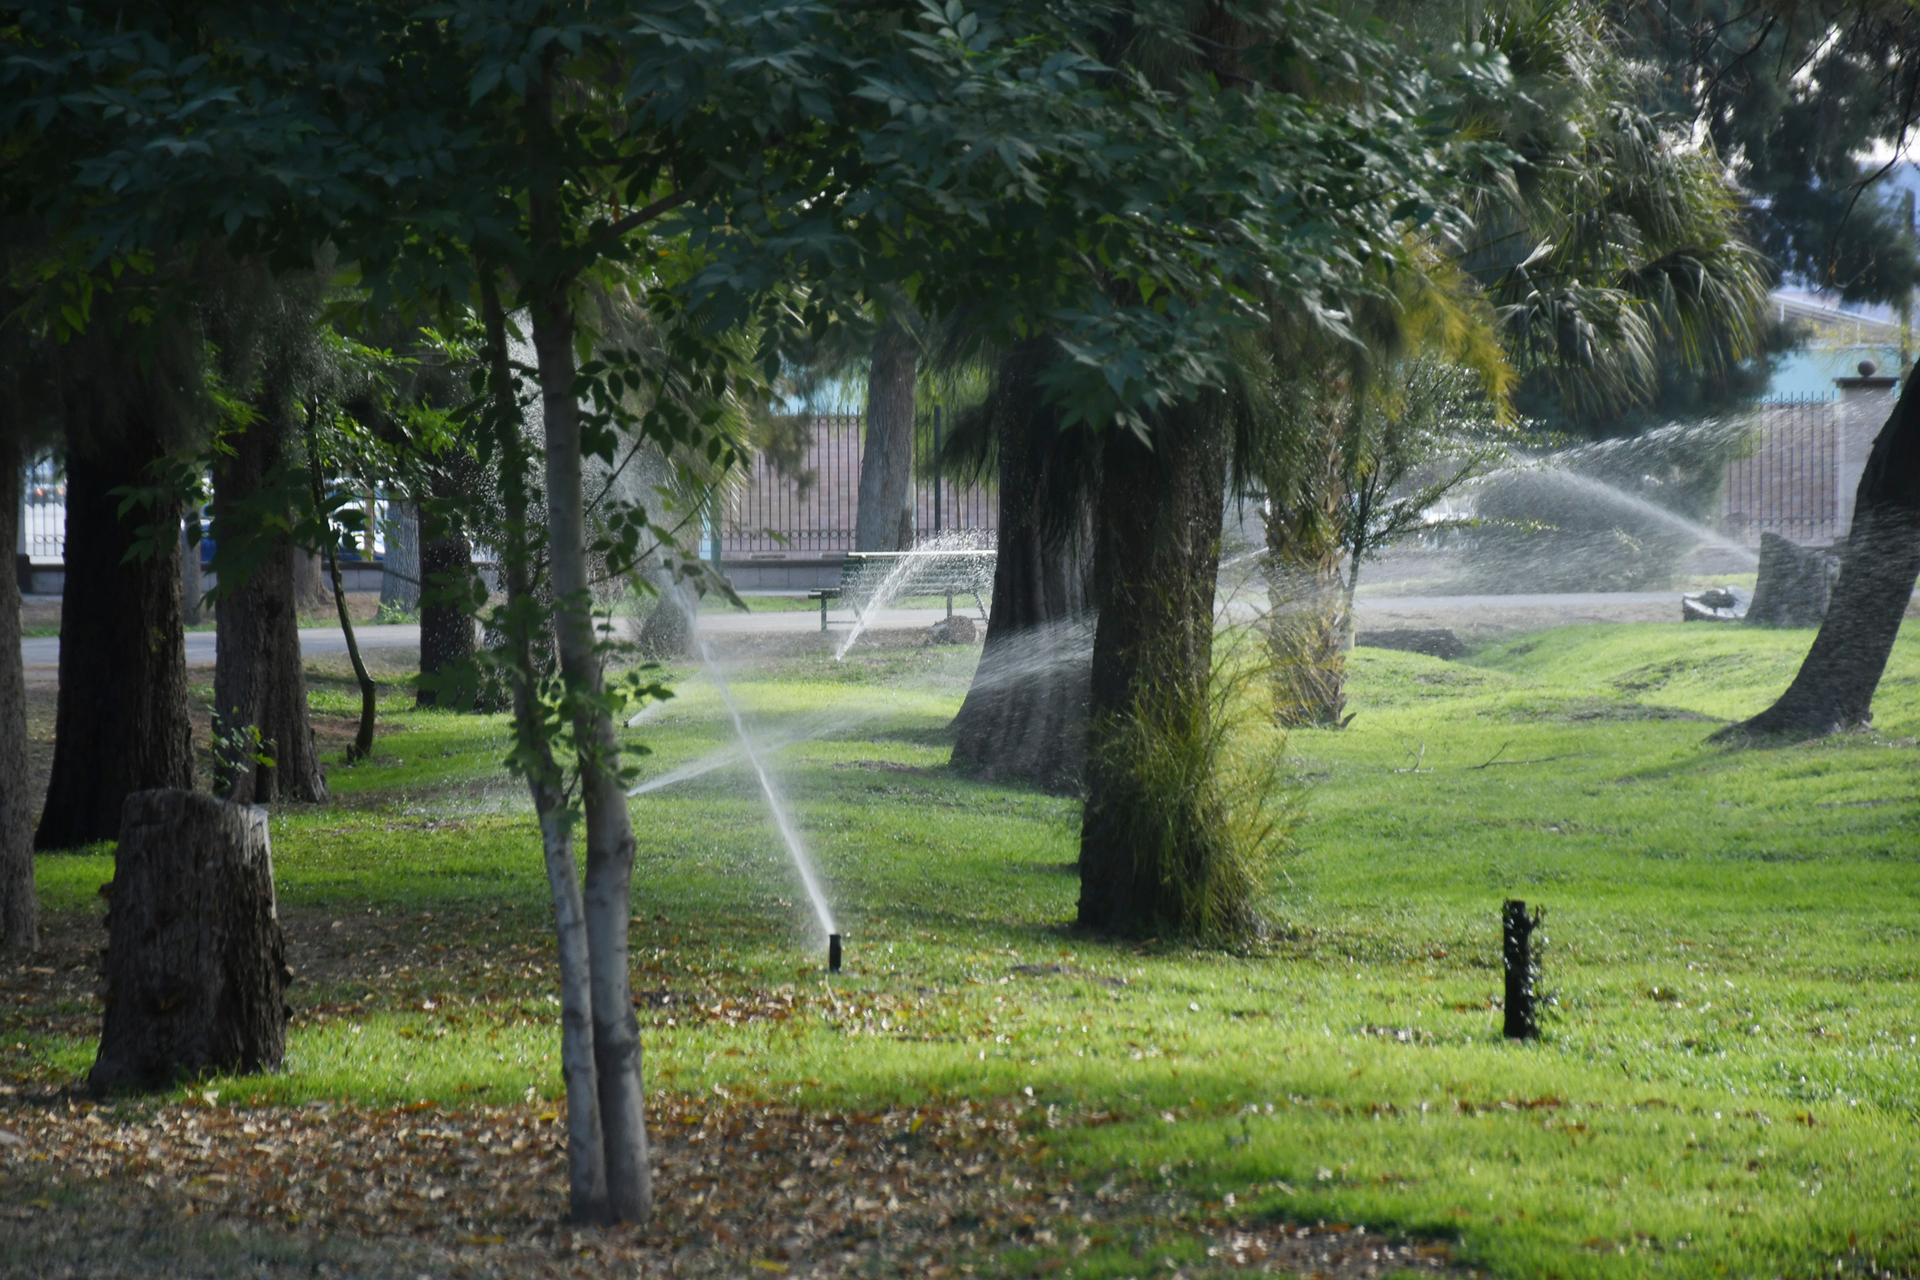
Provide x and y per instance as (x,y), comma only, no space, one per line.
(1834,687)
(1025,714)
(121,723)
(272,357)
(1798,97)
(883,520)
(28,423)
(447,579)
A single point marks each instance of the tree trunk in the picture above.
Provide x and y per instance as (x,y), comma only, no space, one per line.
(524,623)
(1794,585)
(19,909)
(667,632)
(884,521)
(121,724)
(446,621)
(610,844)
(192,589)
(1150,852)
(1307,632)
(1025,717)
(263,734)
(309,582)
(196,967)
(400,572)
(1834,687)
(369,695)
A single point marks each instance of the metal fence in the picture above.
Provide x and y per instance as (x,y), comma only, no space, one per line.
(43,516)
(774,516)
(43,512)
(1789,484)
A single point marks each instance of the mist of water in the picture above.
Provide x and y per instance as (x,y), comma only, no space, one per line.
(1035,652)
(1602,492)
(776,803)
(899,581)
(810,729)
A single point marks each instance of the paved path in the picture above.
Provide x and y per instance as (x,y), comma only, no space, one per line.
(41,654)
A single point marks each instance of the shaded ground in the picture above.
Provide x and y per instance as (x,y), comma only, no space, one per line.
(748,1184)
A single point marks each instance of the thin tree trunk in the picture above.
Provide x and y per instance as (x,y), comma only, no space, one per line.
(1148,840)
(121,724)
(1834,687)
(610,843)
(525,620)
(369,696)
(884,520)
(263,733)
(446,621)
(19,909)
(1025,716)
(369,699)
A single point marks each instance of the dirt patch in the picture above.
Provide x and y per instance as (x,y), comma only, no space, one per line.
(743,1187)
(1483,623)
(1598,710)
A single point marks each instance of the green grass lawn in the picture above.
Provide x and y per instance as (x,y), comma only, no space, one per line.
(1727,1076)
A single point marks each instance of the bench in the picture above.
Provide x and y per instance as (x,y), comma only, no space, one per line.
(868,578)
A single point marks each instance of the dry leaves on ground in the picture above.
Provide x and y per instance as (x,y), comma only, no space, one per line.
(743,1189)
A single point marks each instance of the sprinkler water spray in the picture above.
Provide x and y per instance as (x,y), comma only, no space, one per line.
(833,953)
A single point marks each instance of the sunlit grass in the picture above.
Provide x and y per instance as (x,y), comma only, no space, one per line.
(1727,1078)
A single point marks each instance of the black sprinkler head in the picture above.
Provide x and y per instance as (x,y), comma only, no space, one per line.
(833,953)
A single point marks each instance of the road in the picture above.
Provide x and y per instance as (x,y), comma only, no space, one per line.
(41,654)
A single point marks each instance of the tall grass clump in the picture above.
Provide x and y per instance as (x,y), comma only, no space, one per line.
(1217,811)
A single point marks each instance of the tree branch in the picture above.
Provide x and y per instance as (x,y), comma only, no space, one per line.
(640,217)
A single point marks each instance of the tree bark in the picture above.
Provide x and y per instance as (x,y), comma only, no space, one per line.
(610,845)
(369,698)
(524,623)
(1836,681)
(884,520)
(263,734)
(1794,585)
(192,589)
(400,572)
(121,724)
(309,583)
(1149,841)
(1307,632)
(446,621)
(1025,716)
(196,966)
(668,631)
(19,908)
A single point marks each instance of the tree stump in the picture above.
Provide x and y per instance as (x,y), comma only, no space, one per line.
(1794,586)
(196,971)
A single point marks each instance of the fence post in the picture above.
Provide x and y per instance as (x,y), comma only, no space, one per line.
(937,424)
(1517,954)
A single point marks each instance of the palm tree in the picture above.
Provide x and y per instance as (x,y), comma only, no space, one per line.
(1608,241)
